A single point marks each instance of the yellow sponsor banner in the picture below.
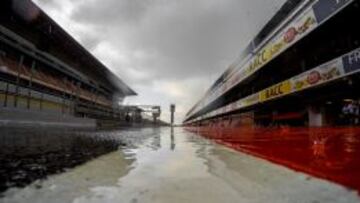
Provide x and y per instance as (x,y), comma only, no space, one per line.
(303,25)
(276,91)
(329,71)
(261,58)
(252,99)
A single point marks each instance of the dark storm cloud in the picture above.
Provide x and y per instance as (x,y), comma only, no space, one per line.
(184,38)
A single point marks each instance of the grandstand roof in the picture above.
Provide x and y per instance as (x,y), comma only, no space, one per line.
(31,23)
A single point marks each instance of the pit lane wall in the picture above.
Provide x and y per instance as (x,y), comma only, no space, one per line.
(305,19)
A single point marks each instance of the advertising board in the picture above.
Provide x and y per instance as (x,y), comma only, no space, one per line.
(274,91)
(352,61)
(318,75)
(300,26)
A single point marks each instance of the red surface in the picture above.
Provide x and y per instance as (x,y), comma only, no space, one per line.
(329,153)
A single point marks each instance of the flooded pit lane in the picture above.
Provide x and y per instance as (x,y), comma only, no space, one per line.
(332,153)
(174,165)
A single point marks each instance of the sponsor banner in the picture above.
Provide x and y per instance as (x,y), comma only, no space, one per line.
(316,76)
(293,32)
(239,76)
(221,111)
(305,23)
(337,68)
(213,113)
(248,101)
(224,88)
(260,59)
(225,109)
(233,80)
(233,106)
(205,116)
(352,61)
(239,104)
(252,99)
(300,27)
(224,77)
(218,112)
(274,91)
(325,8)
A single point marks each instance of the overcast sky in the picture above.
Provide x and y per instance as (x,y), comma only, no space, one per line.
(168,51)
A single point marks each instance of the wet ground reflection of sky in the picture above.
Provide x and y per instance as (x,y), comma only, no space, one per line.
(174,165)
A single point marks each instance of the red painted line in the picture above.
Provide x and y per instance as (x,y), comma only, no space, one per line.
(331,153)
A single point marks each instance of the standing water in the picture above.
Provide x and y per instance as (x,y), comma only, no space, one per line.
(174,165)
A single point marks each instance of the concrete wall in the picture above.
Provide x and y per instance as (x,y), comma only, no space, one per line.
(40,109)
(14,117)
(37,100)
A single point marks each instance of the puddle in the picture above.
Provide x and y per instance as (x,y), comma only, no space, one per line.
(174,165)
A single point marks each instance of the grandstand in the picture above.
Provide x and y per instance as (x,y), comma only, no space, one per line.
(44,70)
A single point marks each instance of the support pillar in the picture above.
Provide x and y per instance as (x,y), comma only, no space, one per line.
(18,81)
(63,109)
(30,84)
(316,116)
(2,63)
(41,101)
(6,94)
(77,97)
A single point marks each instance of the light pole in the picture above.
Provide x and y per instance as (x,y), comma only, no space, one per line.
(172,111)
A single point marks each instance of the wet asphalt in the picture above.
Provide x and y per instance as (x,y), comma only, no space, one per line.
(153,165)
(28,154)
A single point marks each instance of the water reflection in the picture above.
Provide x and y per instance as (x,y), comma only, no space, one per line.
(172,165)
(332,153)
(27,154)
(172,138)
(198,170)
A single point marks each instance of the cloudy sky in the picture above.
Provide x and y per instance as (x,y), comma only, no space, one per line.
(168,51)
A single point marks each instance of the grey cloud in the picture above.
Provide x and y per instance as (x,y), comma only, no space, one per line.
(189,37)
(49,3)
(177,39)
(111,12)
(89,41)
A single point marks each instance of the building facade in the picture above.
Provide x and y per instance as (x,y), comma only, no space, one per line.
(45,73)
(300,70)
